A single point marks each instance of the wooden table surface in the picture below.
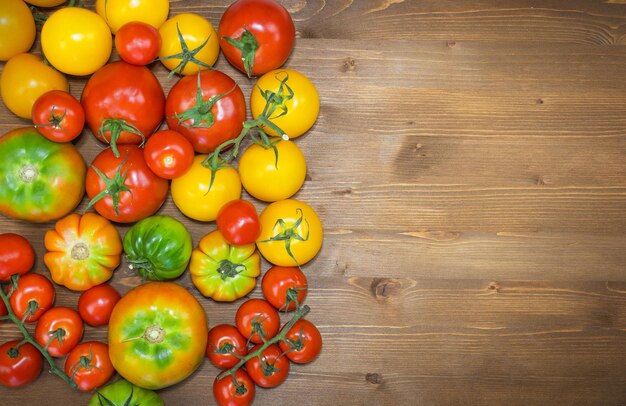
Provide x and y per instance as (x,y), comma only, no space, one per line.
(469,166)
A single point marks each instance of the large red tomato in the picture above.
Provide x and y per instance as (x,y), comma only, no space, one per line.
(208,109)
(124,189)
(123,103)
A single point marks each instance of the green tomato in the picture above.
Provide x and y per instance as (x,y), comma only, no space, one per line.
(123,393)
(158,247)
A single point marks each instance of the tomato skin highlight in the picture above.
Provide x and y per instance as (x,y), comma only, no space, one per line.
(17,255)
(225,392)
(22,369)
(138,43)
(239,222)
(59,318)
(36,288)
(169,154)
(58,116)
(225,334)
(96,304)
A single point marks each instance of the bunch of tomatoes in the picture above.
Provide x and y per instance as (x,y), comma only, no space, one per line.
(184,143)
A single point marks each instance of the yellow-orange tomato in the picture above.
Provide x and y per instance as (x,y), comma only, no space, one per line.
(46,3)
(119,12)
(83,251)
(17,28)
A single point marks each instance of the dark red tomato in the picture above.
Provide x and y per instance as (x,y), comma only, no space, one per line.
(224,341)
(134,191)
(3,310)
(60,322)
(138,43)
(256,320)
(256,36)
(19,366)
(58,116)
(270,368)
(17,256)
(302,343)
(123,103)
(89,365)
(34,295)
(96,304)
(239,222)
(169,154)
(284,287)
(229,393)
(218,118)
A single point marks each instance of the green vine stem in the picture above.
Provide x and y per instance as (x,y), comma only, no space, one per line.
(29,339)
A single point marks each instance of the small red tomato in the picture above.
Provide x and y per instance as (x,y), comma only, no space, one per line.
(89,365)
(257,320)
(302,343)
(58,116)
(227,392)
(270,368)
(17,256)
(169,154)
(59,322)
(239,222)
(284,287)
(34,295)
(96,304)
(138,43)
(224,341)
(19,366)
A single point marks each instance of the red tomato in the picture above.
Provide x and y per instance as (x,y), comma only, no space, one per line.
(207,124)
(229,393)
(135,192)
(89,365)
(239,222)
(169,154)
(270,368)
(58,116)
(138,43)
(17,256)
(256,36)
(21,366)
(257,320)
(284,287)
(63,322)
(123,103)
(3,310)
(34,295)
(302,343)
(96,304)
(224,341)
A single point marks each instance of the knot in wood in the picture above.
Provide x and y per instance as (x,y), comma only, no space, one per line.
(349,65)
(383,288)
(373,378)
(494,286)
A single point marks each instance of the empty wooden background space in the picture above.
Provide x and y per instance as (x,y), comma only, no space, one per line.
(469,166)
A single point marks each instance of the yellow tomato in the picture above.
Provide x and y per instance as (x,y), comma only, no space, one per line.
(76,41)
(195,30)
(17,28)
(268,178)
(46,3)
(291,233)
(293,104)
(24,78)
(119,12)
(192,196)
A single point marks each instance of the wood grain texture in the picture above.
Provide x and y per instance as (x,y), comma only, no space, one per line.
(469,166)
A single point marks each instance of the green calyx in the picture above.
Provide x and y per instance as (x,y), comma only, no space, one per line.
(248,45)
(113,186)
(186,55)
(229,269)
(115,128)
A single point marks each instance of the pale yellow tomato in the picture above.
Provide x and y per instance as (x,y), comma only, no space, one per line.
(192,196)
(76,41)
(24,78)
(119,12)
(17,28)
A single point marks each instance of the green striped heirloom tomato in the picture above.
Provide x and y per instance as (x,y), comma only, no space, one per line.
(122,393)
(157,335)
(222,271)
(41,180)
(159,247)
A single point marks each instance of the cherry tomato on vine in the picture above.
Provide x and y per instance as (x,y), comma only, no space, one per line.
(270,369)
(58,116)
(169,154)
(96,304)
(59,322)
(19,366)
(18,24)
(17,256)
(138,43)
(227,393)
(257,320)
(256,36)
(302,343)
(284,286)
(239,222)
(224,341)
(34,295)
(89,365)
